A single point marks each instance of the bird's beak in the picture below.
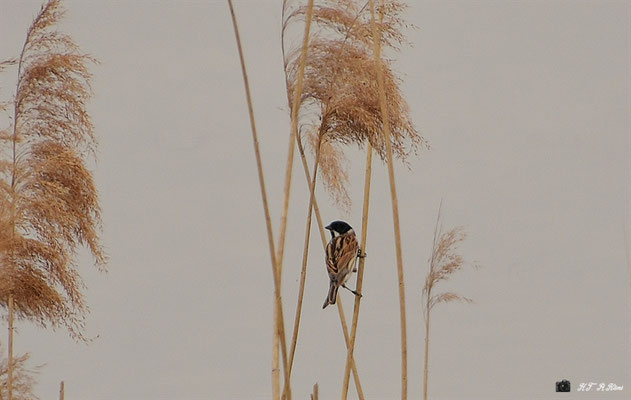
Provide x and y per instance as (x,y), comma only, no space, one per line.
(328,227)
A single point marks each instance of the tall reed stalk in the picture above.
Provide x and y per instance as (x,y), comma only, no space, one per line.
(360,272)
(443,262)
(340,309)
(295,106)
(305,256)
(10,359)
(393,192)
(278,316)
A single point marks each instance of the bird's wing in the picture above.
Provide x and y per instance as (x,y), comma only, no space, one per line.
(341,251)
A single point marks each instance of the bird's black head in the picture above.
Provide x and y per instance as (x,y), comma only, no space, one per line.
(339,227)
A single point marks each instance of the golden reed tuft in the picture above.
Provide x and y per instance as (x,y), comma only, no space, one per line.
(340,99)
(49,205)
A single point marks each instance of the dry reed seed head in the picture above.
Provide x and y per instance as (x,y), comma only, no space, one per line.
(24,378)
(50,189)
(350,19)
(447,297)
(340,85)
(340,81)
(332,167)
(57,87)
(445,259)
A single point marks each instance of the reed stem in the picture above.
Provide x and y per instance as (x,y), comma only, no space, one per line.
(340,309)
(360,272)
(278,317)
(10,344)
(426,362)
(393,192)
(305,256)
(288,173)
(295,106)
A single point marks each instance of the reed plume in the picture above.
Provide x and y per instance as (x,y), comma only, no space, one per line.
(48,198)
(444,262)
(24,378)
(340,92)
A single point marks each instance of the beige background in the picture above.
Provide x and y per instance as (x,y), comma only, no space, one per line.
(526,105)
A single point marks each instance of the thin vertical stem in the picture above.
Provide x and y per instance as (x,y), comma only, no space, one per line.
(395,204)
(10,361)
(340,309)
(294,133)
(61,391)
(305,256)
(426,363)
(278,316)
(360,272)
(288,172)
(315,200)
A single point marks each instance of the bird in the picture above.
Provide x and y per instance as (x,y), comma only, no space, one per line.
(341,255)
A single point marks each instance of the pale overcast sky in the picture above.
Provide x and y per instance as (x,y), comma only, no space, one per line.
(526,106)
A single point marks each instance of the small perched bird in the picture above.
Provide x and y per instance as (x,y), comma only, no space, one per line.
(341,255)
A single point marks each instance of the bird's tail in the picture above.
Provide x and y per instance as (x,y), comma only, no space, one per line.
(332,296)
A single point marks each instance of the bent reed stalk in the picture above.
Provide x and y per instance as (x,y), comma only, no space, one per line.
(393,192)
(278,318)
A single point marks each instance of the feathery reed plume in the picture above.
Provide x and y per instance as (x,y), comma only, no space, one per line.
(333,166)
(376,34)
(279,327)
(340,95)
(444,262)
(24,379)
(47,193)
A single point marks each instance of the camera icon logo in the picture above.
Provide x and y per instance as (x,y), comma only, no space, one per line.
(563,386)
